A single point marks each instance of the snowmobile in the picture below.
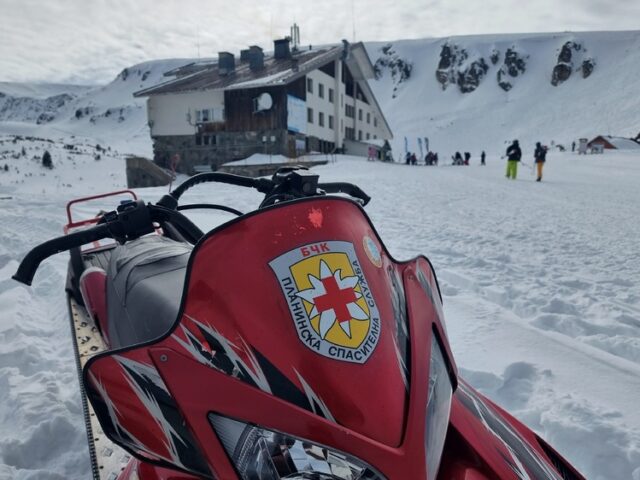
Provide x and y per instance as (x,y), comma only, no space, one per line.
(286,343)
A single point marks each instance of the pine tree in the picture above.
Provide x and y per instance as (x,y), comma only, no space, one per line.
(46,160)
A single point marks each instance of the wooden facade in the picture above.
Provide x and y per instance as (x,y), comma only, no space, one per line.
(240,114)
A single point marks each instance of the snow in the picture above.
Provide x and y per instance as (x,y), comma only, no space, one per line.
(79,167)
(41,90)
(106,114)
(541,281)
(533,110)
(378,142)
(268,80)
(623,143)
(541,286)
(260,159)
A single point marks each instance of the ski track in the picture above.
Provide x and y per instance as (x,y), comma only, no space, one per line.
(540,284)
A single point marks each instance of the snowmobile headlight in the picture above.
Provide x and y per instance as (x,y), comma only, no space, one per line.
(438,408)
(261,454)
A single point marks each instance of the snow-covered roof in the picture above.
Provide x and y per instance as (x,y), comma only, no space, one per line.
(378,142)
(260,159)
(619,143)
(622,143)
(275,71)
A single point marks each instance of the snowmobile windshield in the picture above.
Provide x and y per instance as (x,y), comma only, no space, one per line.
(296,327)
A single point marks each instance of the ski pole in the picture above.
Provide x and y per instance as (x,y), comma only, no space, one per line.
(526,165)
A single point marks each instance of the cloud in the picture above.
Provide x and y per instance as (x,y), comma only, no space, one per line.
(91,41)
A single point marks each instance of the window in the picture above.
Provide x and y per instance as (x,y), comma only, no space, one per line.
(210,115)
(349,133)
(321,119)
(349,111)
(309,85)
(198,140)
(360,114)
(368,136)
(320,90)
(375,136)
(217,115)
(331,122)
(375,121)
(368,117)
(310,115)
(360,135)
(331,95)
(205,139)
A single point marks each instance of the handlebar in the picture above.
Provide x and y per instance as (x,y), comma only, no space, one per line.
(30,263)
(134,219)
(263,185)
(130,221)
(348,188)
(287,183)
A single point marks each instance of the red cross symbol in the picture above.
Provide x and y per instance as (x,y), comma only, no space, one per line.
(335,299)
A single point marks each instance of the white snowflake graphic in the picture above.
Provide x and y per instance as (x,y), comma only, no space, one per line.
(334,299)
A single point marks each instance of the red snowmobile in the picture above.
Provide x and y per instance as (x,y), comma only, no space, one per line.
(286,343)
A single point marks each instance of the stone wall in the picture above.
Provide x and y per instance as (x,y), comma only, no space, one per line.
(229,146)
(142,172)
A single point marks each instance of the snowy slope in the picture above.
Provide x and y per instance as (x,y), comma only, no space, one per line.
(541,286)
(483,119)
(532,110)
(78,166)
(102,114)
(541,282)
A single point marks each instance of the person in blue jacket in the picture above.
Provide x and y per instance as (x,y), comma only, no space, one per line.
(540,154)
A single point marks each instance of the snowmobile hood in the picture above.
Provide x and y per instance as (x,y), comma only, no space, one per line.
(294,318)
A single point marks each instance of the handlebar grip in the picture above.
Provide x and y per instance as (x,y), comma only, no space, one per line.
(348,188)
(29,265)
(260,184)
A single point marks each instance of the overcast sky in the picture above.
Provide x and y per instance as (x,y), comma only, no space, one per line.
(90,41)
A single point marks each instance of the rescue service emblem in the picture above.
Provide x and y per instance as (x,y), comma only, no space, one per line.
(330,302)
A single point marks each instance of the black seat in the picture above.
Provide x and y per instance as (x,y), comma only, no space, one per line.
(145,280)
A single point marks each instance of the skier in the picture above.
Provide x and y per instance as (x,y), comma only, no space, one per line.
(482,157)
(407,158)
(414,159)
(467,157)
(540,155)
(371,154)
(573,146)
(513,157)
(457,159)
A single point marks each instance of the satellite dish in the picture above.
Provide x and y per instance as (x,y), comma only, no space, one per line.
(263,102)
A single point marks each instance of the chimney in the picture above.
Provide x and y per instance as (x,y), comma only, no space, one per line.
(244,55)
(256,58)
(226,63)
(281,49)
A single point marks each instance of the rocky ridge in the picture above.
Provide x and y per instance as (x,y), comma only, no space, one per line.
(400,68)
(571,53)
(458,66)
